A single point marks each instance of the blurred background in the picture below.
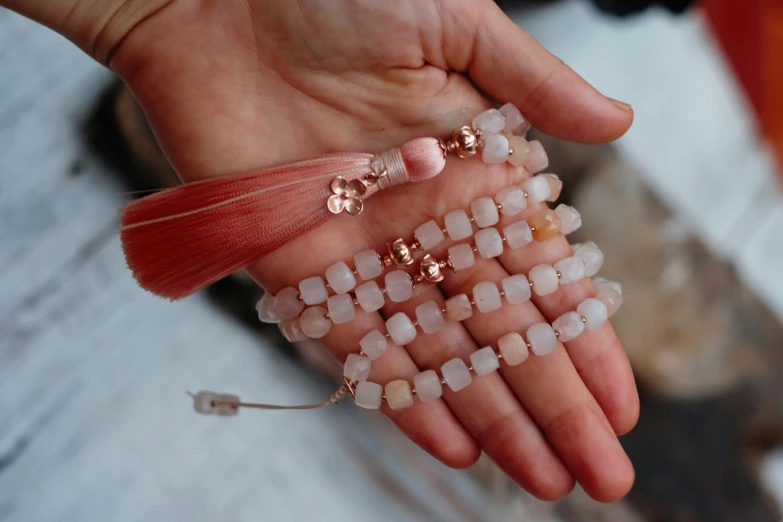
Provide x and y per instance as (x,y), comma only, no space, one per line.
(94,421)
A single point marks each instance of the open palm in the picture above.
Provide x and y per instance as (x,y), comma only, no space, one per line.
(233,85)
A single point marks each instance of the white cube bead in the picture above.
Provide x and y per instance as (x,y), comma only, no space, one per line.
(514,118)
(292,330)
(594,312)
(569,326)
(516,288)
(489,243)
(340,278)
(592,256)
(429,235)
(485,212)
(512,200)
(610,293)
(518,234)
(537,160)
(570,219)
(542,338)
(462,256)
(456,374)
(555,186)
(601,282)
(374,344)
(427,385)
(484,361)
(495,149)
(458,224)
(370,296)
(458,308)
(401,328)
(287,303)
(486,296)
(513,348)
(368,264)
(399,286)
(314,323)
(368,395)
(537,189)
(357,367)
(341,308)
(313,290)
(489,121)
(571,269)
(266,309)
(398,394)
(544,279)
(430,317)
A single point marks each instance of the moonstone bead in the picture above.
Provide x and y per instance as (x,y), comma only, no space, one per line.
(601,282)
(495,149)
(287,303)
(489,243)
(514,118)
(516,288)
(544,279)
(610,294)
(490,121)
(398,394)
(555,186)
(456,374)
(458,225)
(368,264)
(401,328)
(546,224)
(429,317)
(374,344)
(570,219)
(399,286)
(542,339)
(594,312)
(486,296)
(427,385)
(341,308)
(569,326)
(592,256)
(429,235)
(537,160)
(313,290)
(485,212)
(458,308)
(462,256)
(368,395)
(518,234)
(513,348)
(357,367)
(266,309)
(292,330)
(571,269)
(522,150)
(340,278)
(484,361)
(314,323)
(370,296)
(537,189)
(512,200)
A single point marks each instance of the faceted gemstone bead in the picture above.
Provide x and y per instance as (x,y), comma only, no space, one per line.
(484,361)
(357,367)
(571,269)
(610,294)
(555,186)
(368,264)
(546,224)
(458,225)
(544,279)
(292,330)
(398,394)
(340,278)
(429,235)
(429,317)
(537,160)
(401,328)
(489,243)
(516,289)
(462,256)
(374,344)
(569,326)
(542,339)
(537,189)
(456,374)
(486,296)
(518,234)
(399,286)
(490,121)
(592,256)
(594,312)
(514,118)
(495,149)
(370,296)
(341,308)
(512,200)
(314,323)
(458,308)
(570,219)
(368,395)
(485,212)
(513,348)
(266,309)
(601,282)
(522,150)
(427,385)
(313,290)
(287,303)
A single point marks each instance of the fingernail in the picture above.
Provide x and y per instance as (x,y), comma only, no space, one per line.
(624,106)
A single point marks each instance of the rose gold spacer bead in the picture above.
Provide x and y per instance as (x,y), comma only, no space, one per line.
(559,275)
(500,207)
(525,193)
(473,303)
(557,334)
(502,293)
(500,356)
(442,381)
(298,297)
(443,309)
(532,228)
(529,346)
(387,335)
(584,319)
(326,316)
(470,368)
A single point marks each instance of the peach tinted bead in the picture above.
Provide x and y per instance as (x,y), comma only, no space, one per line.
(555,186)
(287,303)
(546,224)
(313,290)
(462,256)
(370,296)
(513,348)
(429,235)
(398,394)
(484,361)
(341,308)
(314,322)
(512,200)
(537,160)
(369,395)
(374,344)
(429,317)
(368,264)
(458,308)
(458,225)
(522,150)
(340,278)
(399,286)
(515,122)
(456,374)
(485,211)
(428,386)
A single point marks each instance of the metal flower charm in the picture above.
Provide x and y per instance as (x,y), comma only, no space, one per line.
(346,196)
